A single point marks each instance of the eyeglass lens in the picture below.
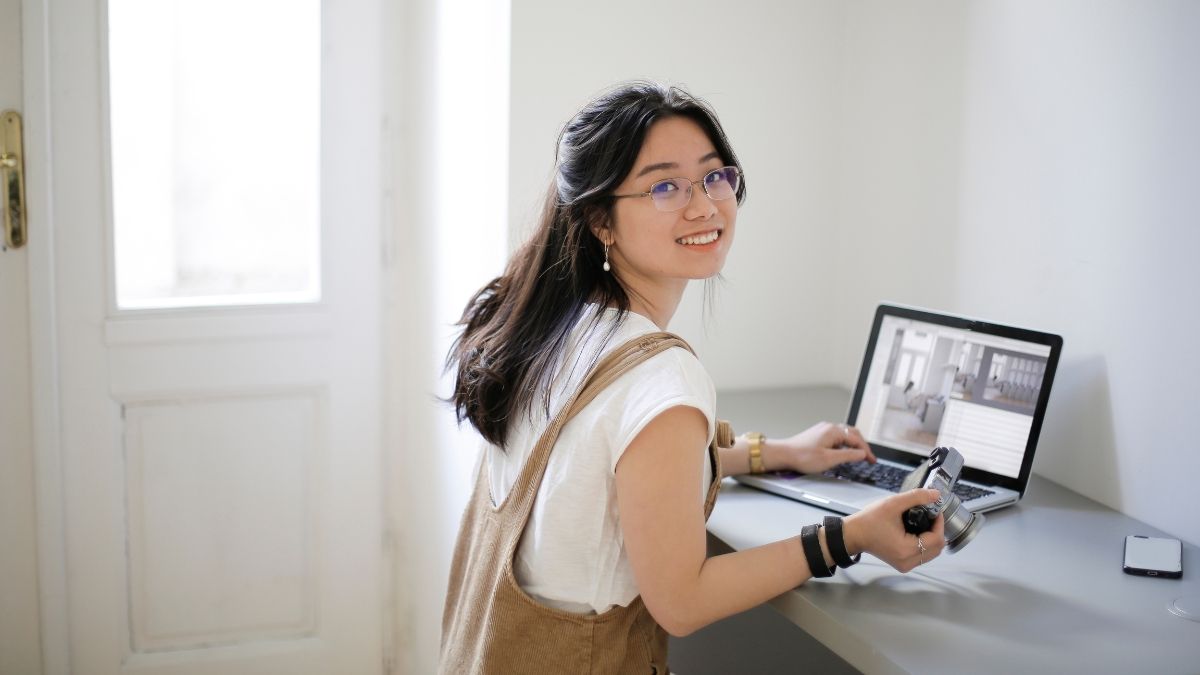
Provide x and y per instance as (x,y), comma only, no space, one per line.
(675,193)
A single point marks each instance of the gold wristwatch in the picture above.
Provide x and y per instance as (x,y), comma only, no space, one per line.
(756,440)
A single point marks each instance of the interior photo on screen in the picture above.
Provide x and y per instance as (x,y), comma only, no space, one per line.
(935,385)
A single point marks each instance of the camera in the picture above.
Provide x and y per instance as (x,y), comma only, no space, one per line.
(940,472)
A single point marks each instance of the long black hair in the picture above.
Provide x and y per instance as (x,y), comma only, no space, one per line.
(516,326)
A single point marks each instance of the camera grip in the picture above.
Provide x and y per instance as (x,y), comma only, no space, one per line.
(918,520)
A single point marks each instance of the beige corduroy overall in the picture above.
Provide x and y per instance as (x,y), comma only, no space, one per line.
(491,625)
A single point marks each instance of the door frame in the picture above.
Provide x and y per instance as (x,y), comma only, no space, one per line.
(43,330)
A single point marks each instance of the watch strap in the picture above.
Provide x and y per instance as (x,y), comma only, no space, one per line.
(756,463)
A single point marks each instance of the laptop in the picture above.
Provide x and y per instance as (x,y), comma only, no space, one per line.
(930,380)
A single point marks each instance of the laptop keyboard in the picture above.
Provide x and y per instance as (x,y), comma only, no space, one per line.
(890,477)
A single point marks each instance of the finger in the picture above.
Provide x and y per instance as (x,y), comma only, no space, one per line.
(938,537)
(939,527)
(851,438)
(824,459)
(916,497)
(926,547)
(931,543)
(862,443)
(833,457)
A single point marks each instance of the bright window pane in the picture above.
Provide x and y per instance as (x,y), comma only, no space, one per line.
(215,110)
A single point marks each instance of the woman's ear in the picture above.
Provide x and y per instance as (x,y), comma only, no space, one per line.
(599,225)
(603,234)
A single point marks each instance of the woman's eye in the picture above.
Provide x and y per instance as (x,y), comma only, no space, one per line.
(663,188)
(715,177)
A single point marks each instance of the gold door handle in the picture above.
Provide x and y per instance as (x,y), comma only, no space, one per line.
(12,180)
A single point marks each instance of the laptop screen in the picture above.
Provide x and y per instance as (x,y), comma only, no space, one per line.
(931,380)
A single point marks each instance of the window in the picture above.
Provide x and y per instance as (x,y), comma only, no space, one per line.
(215,147)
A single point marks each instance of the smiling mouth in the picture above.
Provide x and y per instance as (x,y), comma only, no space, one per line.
(699,239)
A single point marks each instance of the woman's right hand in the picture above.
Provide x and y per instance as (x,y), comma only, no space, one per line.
(879,530)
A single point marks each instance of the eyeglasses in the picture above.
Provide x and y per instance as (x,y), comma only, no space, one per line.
(673,194)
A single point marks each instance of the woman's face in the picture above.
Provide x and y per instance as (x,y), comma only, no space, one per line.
(657,251)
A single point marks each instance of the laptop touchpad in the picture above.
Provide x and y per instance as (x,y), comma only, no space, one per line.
(837,490)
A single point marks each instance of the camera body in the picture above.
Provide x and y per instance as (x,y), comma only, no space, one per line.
(941,472)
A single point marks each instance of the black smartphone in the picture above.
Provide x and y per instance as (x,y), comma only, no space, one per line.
(1153,556)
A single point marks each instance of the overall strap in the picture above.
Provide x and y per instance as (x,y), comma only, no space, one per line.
(612,366)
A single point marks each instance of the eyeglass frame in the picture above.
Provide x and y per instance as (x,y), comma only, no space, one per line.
(650,192)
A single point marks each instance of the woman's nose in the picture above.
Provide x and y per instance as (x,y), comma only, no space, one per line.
(700,206)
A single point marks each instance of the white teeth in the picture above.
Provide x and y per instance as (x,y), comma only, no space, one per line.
(700,239)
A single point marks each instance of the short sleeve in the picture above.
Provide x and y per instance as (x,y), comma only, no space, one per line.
(667,380)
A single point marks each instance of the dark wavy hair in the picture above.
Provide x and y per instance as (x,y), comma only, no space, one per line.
(516,327)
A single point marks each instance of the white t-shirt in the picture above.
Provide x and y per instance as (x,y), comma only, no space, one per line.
(572,555)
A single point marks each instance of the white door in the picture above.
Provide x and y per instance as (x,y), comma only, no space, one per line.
(219,489)
(19,638)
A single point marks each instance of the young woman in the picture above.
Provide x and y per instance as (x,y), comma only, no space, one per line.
(585,538)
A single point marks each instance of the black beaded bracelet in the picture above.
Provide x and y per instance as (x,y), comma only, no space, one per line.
(836,541)
(812,551)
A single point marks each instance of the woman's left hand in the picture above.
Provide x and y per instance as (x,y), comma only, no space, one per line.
(820,448)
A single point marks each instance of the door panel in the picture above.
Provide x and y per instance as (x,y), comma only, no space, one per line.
(19,634)
(220,465)
(221,499)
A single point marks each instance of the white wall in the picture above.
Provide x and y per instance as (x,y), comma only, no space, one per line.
(444,232)
(1068,202)
(1029,163)
(1082,141)
(897,164)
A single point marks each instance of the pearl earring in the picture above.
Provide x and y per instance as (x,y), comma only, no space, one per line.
(607,267)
